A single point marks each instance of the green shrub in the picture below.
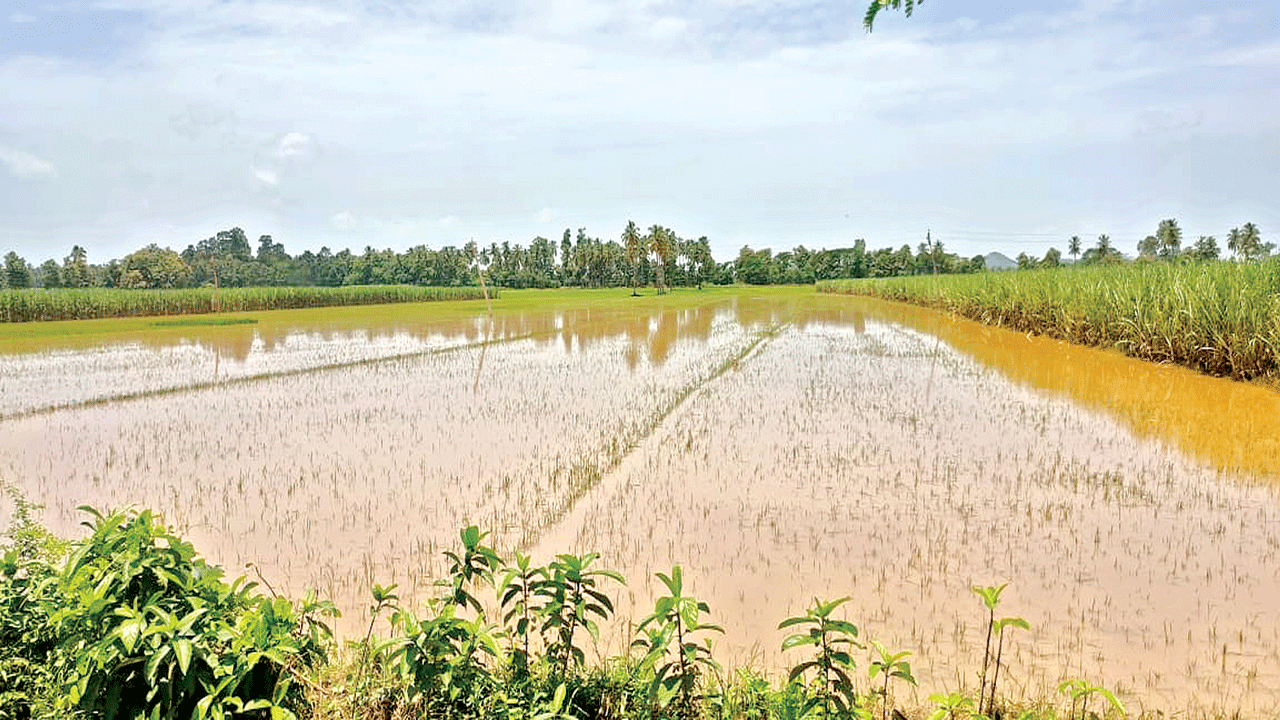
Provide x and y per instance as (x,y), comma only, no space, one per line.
(145,628)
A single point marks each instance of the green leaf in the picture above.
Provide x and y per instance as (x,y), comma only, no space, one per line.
(797,640)
(129,631)
(182,649)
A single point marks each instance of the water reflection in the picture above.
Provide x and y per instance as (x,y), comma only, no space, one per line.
(172,359)
(1231,426)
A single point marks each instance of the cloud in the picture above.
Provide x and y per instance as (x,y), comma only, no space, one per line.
(745,120)
(344,220)
(266,176)
(21,17)
(294,145)
(24,164)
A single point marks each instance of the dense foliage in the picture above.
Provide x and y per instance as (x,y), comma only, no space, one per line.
(656,256)
(131,623)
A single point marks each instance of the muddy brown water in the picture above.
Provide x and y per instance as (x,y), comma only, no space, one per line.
(779,446)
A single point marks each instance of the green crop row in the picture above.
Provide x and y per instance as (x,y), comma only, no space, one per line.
(66,304)
(1217,318)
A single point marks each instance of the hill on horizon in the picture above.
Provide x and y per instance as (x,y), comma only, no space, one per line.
(999,261)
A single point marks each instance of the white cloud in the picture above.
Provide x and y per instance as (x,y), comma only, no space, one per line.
(24,164)
(344,220)
(294,145)
(21,17)
(738,119)
(266,176)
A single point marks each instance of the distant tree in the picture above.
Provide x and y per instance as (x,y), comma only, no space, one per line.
(752,266)
(1101,253)
(1169,239)
(75,269)
(271,252)
(1052,259)
(1204,249)
(233,243)
(903,260)
(703,265)
(50,274)
(1026,262)
(1246,243)
(660,242)
(17,273)
(1073,247)
(568,264)
(633,246)
(1148,247)
(540,263)
(153,267)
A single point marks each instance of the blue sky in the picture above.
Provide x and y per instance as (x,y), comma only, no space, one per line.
(771,123)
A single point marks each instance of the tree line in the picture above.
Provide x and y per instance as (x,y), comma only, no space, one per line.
(1244,242)
(655,257)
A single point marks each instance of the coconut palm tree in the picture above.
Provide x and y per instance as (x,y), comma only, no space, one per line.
(633,245)
(1073,247)
(1252,239)
(660,243)
(1169,238)
(1235,242)
(1104,247)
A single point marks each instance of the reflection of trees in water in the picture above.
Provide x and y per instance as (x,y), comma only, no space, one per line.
(1230,425)
(652,334)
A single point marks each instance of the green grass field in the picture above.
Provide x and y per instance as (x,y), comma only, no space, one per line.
(1218,318)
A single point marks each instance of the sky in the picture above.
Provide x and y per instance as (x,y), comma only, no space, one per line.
(994,126)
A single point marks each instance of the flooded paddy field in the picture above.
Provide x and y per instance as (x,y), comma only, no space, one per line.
(778,444)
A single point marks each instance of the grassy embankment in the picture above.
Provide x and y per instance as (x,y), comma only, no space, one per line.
(1218,318)
(49,305)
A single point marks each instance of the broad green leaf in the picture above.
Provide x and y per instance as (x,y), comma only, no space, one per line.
(182,649)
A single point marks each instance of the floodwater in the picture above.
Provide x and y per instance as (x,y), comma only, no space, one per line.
(779,445)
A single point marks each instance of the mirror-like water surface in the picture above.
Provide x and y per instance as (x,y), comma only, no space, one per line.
(777,444)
